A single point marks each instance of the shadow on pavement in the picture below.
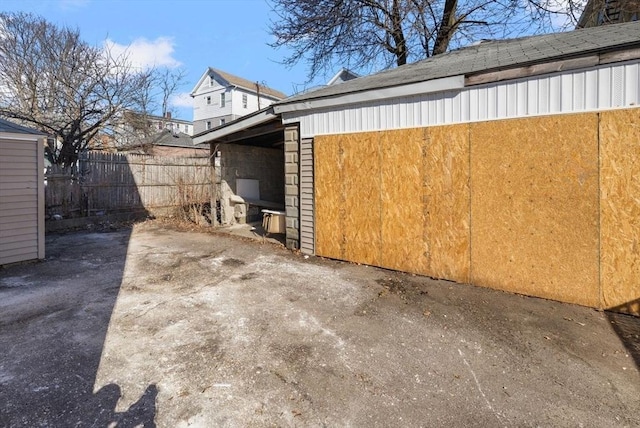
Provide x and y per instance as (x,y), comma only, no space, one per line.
(54,318)
(627,327)
(140,413)
(253,230)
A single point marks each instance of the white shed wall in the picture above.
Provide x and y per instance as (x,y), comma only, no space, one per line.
(605,87)
(21,198)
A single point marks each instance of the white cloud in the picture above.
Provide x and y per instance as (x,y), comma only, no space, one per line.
(145,54)
(182,99)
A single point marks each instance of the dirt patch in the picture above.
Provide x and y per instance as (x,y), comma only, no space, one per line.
(247,276)
(230,262)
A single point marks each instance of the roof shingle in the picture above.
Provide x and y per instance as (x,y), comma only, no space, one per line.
(491,56)
(247,84)
(10,127)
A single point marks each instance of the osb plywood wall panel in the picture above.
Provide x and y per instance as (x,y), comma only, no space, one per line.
(534,206)
(620,209)
(397,199)
(446,202)
(402,200)
(361,193)
(329,206)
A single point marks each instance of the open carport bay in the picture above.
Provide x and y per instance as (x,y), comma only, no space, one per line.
(155,326)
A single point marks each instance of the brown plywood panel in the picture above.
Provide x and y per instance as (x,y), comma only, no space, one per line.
(534,206)
(620,209)
(401,195)
(361,190)
(447,202)
(329,206)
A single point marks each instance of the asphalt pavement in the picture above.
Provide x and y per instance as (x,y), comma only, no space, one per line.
(154,326)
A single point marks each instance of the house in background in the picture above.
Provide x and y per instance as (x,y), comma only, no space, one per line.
(602,12)
(21,193)
(133,130)
(171,123)
(169,143)
(135,127)
(220,97)
(344,75)
(341,76)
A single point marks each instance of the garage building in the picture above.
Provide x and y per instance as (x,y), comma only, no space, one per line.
(508,164)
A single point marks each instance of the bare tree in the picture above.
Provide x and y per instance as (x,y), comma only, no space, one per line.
(136,129)
(377,34)
(51,80)
(169,81)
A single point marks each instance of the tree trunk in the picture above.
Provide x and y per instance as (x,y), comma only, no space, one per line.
(68,154)
(398,35)
(447,27)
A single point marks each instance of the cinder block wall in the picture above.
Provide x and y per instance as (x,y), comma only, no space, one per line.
(257,163)
(544,206)
(249,162)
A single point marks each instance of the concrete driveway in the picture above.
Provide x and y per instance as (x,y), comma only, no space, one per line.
(156,327)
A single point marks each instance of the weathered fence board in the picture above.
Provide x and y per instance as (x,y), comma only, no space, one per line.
(108,183)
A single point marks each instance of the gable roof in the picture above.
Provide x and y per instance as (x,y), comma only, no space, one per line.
(484,57)
(257,118)
(239,81)
(168,138)
(342,76)
(13,128)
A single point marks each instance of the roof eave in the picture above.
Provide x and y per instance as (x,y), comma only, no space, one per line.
(240,124)
(424,87)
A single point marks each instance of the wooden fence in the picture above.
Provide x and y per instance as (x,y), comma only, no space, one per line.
(105,183)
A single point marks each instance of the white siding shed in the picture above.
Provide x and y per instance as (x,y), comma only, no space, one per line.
(21,194)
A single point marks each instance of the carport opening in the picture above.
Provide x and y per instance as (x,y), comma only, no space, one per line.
(249,175)
(251,179)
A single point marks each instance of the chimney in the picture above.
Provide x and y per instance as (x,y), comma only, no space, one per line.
(167,115)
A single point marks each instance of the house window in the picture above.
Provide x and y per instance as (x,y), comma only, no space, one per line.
(244,101)
(211,81)
(208,124)
(222,100)
(222,121)
(208,100)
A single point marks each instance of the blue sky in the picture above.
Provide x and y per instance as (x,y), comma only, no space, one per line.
(231,35)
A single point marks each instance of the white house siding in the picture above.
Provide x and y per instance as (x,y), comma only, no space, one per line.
(202,110)
(233,108)
(21,199)
(605,87)
(252,102)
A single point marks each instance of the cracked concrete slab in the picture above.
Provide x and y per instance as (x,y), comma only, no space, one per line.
(156,327)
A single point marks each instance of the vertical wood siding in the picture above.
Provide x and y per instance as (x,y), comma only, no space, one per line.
(20,206)
(307,235)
